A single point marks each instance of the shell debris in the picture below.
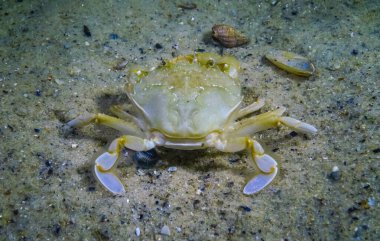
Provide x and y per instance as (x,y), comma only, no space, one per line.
(228,36)
(291,62)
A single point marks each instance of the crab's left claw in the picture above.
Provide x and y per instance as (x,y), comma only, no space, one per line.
(268,167)
(103,171)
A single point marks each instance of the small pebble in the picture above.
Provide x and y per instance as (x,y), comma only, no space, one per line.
(138,232)
(187,6)
(172,169)
(91,189)
(178,229)
(86,31)
(74,145)
(245,208)
(293,134)
(158,46)
(38,93)
(37,130)
(59,82)
(371,202)
(175,46)
(121,65)
(165,230)
(354,52)
(113,36)
(57,229)
(335,173)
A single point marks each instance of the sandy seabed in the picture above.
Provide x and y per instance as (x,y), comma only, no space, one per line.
(52,70)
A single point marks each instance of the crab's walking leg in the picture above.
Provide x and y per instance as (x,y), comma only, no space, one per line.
(106,162)
(266,164)
(115,123)
(249,126)
(236,138)
(255,106)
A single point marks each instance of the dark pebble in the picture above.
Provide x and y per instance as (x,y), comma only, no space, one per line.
(187,6)
(196,204)
(294,12)
(354,52)
(367,186)
(245,208)
(335,175)
(38,93)
(377,150)
(86,31)
(352,209)
(141,50)
(57,229)
(91,189)
(230,184)
(15,212)
(113,36)
(37,130)
(103,218)
(293,134)
(48,163)
(234,160)
(158,46)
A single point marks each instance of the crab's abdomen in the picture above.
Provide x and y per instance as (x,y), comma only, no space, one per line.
(187,100)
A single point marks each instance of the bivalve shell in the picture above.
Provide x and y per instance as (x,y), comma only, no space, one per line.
(291,62)
(146,159)
(228,36)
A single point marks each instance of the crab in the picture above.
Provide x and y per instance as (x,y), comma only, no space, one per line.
(190,102)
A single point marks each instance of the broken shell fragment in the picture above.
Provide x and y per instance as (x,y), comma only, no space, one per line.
(228,36)
(291,62)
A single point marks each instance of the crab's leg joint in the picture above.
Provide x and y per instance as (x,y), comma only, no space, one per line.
(106,162)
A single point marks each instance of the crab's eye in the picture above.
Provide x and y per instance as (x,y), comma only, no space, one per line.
(224,67)
(210,63)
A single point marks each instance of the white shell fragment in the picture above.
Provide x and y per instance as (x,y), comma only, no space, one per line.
(291,62)
(165,230)
(138,231)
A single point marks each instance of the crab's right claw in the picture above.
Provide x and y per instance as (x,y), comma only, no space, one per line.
(103,171)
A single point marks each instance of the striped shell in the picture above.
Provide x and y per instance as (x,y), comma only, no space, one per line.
(228,36)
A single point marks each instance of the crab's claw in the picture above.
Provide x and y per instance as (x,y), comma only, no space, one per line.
(268,167)
(104,173)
